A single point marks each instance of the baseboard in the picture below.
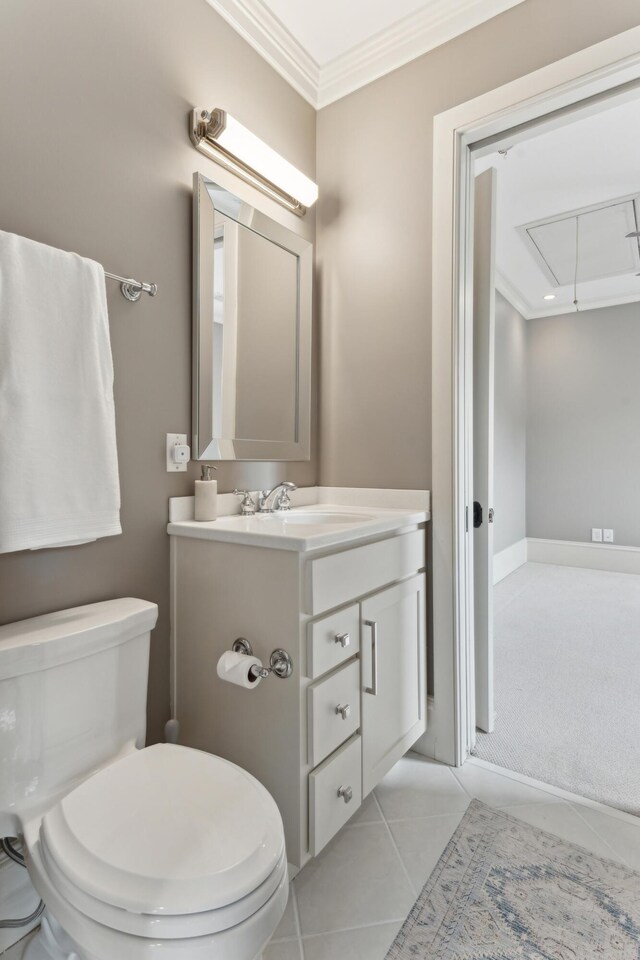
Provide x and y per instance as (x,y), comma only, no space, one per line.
(509,559)
(594,556)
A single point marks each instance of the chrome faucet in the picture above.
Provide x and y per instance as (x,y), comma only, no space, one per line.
(270,501)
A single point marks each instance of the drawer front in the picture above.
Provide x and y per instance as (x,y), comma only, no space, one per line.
(343,576)
(332,640)
(335,793)
(334,711)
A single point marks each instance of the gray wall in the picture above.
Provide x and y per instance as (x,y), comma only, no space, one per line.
(374,232)
(95,157)
(510,415)
(583,424)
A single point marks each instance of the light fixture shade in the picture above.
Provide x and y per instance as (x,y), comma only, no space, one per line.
(221,136)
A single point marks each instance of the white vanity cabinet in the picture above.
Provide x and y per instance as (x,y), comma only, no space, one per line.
(353,620)
(393,672)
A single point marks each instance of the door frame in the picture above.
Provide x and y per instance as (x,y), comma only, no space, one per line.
(586,80)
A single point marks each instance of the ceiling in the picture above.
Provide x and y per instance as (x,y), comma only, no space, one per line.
(588,167)
(328,48)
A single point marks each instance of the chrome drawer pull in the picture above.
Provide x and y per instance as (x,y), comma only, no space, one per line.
(343,639)
(346,793)
(343,711)
(373,689)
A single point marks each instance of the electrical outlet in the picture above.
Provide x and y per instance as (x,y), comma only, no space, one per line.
(596,534)
(608,536)
(178,453)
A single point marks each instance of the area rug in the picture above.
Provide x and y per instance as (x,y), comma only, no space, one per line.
(503,890)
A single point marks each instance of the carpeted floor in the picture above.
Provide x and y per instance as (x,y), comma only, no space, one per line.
(567,681)
(504,889)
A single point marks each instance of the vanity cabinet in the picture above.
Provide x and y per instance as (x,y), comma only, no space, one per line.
(393,669)
(352,619)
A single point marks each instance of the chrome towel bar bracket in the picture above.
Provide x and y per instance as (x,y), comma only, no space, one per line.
(133,289)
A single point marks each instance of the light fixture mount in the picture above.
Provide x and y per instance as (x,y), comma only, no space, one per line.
(219,136)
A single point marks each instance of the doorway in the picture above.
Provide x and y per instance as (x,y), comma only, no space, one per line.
(576,83)
(556,399)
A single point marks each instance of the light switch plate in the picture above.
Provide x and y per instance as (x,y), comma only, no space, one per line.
(172,440)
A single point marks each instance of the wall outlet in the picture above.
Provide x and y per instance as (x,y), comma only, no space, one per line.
(608,536)
(596,534)
(178,453)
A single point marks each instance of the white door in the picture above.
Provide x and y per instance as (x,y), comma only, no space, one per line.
(394,703)
(484,243)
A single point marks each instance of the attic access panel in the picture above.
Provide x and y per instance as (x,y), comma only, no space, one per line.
(603,248)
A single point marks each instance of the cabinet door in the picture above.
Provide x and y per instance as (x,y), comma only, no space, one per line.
(393,641)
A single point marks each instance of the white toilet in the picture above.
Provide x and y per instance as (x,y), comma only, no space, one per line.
(156,852)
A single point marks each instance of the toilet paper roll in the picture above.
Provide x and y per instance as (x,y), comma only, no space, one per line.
(234,667)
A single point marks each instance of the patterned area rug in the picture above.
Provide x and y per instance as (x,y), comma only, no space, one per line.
(503,890)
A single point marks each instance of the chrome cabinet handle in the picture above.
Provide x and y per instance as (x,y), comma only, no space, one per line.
(346,793)
(343,639)
(373,689)
(343,711)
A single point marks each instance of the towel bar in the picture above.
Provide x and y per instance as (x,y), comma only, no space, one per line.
(133,289)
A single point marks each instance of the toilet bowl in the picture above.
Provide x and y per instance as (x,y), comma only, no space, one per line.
(162,851)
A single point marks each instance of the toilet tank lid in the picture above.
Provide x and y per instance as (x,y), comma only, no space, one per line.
(43,642)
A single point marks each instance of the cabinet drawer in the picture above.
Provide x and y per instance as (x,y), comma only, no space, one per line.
(328,727)
(340,577)
(330,809)
(332,640)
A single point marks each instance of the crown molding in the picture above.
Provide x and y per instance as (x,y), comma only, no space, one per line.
(402,42)
(518,302)
(405,40)
(265,33)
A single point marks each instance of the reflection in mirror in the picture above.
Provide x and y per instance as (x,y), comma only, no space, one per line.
(252,328)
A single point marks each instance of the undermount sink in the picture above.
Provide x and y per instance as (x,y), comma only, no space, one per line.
(316,516)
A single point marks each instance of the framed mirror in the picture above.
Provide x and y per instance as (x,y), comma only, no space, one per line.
(251,332)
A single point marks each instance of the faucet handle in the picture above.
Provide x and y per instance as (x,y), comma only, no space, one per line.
(284,500)
(247,503)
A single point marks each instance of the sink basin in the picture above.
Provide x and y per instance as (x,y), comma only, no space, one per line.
(315,517)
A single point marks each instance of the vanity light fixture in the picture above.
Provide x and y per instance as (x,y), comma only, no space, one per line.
(549,296)
(222,138)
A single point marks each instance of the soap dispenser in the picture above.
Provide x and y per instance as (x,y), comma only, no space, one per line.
(206,495)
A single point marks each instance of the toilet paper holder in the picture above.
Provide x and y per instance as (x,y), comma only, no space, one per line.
(280,662)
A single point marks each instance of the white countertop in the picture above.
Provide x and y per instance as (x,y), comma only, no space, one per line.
(314,524)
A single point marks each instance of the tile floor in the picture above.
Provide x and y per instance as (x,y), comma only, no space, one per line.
(351,900)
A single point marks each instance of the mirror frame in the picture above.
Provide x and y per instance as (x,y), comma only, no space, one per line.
(208,196)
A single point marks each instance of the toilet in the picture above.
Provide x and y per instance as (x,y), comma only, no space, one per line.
(137,852)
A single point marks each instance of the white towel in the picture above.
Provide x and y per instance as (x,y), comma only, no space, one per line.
(58,460)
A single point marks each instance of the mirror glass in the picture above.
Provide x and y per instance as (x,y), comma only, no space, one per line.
(252,332)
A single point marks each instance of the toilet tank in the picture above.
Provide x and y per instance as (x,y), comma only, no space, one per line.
(73,693)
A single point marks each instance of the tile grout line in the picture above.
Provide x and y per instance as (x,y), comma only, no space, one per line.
(397,849)
(590,826)
(296,917)
(460,784)
(362,926)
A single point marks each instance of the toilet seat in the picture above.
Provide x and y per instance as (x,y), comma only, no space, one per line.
(168,842)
